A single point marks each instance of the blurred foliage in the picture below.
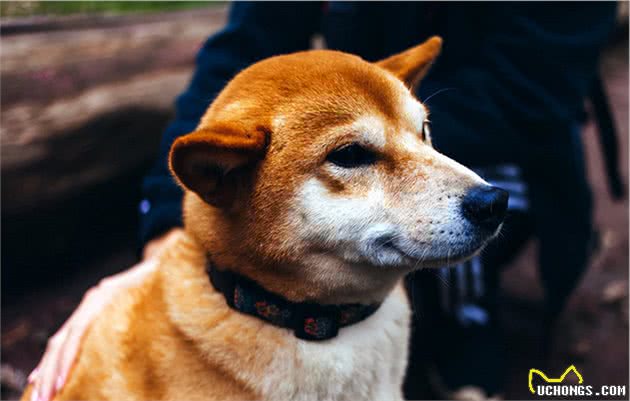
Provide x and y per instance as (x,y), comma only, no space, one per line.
(29,8)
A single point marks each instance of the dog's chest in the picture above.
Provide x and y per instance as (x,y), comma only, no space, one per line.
(365,361)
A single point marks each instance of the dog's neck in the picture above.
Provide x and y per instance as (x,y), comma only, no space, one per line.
(293,282)
(308,320)
(344,284)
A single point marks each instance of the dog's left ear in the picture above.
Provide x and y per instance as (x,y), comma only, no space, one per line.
(412,65)
(215,161)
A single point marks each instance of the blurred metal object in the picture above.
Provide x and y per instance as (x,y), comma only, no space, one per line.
(607,137)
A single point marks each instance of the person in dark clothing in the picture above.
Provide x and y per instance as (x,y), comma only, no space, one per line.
(505,97)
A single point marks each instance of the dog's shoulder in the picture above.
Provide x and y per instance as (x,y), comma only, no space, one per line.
(116,341)
(131,347)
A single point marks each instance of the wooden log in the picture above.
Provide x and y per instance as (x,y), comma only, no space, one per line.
(84,104)
(43,66)
(51,151)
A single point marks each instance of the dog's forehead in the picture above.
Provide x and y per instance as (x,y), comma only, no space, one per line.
(338,80)
(310,92)
(367,126)
(378,93)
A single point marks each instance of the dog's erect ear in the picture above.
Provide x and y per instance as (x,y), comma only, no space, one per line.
(412,65)
(213,161)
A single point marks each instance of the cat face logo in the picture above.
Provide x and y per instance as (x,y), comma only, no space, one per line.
(560,379)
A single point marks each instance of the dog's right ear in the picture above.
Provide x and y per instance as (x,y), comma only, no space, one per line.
(412,65)
(212,161)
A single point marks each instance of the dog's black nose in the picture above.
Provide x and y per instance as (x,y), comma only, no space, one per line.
(485,206)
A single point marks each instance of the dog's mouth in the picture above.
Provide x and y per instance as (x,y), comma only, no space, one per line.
(450,259)
(395,252)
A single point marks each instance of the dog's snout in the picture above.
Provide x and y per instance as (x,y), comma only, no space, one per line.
(485,206)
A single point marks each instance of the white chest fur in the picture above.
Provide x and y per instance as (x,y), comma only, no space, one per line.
(366,361)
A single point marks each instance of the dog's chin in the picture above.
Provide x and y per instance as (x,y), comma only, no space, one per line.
(397,258)
(404,255)
(442,261)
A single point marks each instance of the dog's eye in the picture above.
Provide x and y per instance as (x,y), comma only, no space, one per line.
(426,130)
(353,155)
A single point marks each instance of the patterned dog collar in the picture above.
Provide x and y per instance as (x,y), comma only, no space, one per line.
(309,321)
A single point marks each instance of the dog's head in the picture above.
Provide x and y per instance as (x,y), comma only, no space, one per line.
(321,164)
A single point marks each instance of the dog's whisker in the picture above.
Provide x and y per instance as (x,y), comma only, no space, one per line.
(437,92)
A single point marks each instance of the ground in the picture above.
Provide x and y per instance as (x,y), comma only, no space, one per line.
(592,334)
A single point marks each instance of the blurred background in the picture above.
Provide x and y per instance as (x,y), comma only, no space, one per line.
(86,91)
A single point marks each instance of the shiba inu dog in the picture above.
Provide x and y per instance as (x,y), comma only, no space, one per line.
(311,189)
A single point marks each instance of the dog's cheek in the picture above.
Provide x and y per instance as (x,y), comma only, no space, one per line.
(337,222)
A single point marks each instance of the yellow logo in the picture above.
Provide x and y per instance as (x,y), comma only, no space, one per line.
(560,379)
